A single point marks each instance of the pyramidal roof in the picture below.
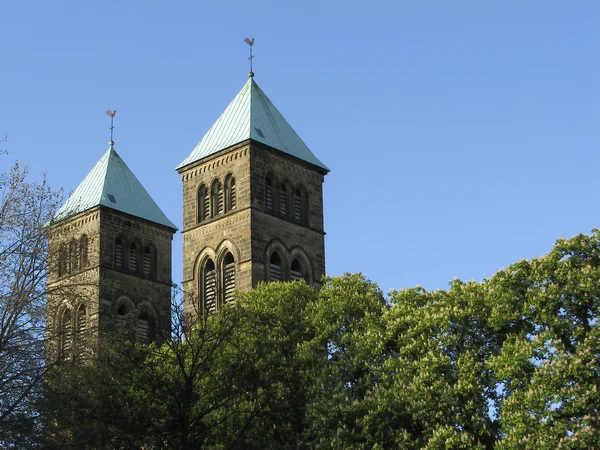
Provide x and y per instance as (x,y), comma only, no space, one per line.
(112,184)
(251,115)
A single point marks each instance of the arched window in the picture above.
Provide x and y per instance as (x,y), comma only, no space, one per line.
(148,261)
(283,200)
(217,198)
(228,277)
(119,253)
(209,287)
(300,212)
(298,271)
(145,329)
(83,251)
(124,309)
(230,196)
(203,206)
(275,269)
(269,193)
(133,257)
(73,259)
(62,260)
(298,204)
(81,331)
(67,334)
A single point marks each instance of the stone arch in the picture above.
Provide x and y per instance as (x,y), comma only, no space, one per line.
(284,192)
(298,254)
(205,273)
(149,260)
(217,198)
(228,257)
(230,192)
(271,191)
(124,307)
(202,203)
(119,250)
(276,270)
(146,322)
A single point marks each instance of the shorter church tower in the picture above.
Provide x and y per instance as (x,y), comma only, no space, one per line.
(110,263)
(252,205)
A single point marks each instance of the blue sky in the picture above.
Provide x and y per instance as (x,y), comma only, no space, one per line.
(462,136)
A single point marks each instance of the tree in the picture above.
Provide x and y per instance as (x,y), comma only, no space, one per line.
(510,362)
(25,207)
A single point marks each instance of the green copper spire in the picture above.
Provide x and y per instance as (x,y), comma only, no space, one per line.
(251,115)
(112,184)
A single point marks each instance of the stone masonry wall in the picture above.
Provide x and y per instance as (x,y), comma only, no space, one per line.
(228,231)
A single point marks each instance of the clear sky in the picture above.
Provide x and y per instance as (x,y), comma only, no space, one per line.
(461,136)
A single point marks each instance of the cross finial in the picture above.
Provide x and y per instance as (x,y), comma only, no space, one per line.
(250,42)
(112,125)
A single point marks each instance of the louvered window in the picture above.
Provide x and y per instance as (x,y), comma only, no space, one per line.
(217,198)
(67,330)
(210,287)
(147,261)
(119,253)
(297,272)
(73,260)
(203,204)
(142,331)
(83,251)
(297,205)
(133,256)
(228,278)
(121,319)
(81,331)
(62,261)
(275,272)
(230,199)
(283,201)
(269,194)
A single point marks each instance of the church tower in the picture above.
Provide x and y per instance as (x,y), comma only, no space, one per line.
(252,205)
(110,262)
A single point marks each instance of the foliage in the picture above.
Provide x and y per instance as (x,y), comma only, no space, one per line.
(24,209)
(510,362)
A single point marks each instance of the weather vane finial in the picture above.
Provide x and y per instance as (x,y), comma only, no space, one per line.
(250,42)
(112,125)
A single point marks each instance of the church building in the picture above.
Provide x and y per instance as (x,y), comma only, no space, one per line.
(252,212)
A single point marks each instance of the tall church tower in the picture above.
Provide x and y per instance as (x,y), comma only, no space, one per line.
(110,262)
(252,204)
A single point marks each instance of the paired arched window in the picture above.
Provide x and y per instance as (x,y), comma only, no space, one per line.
(217,286)
(137,324)
(221,198)
(279,267)
(286,200)
(73,333)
